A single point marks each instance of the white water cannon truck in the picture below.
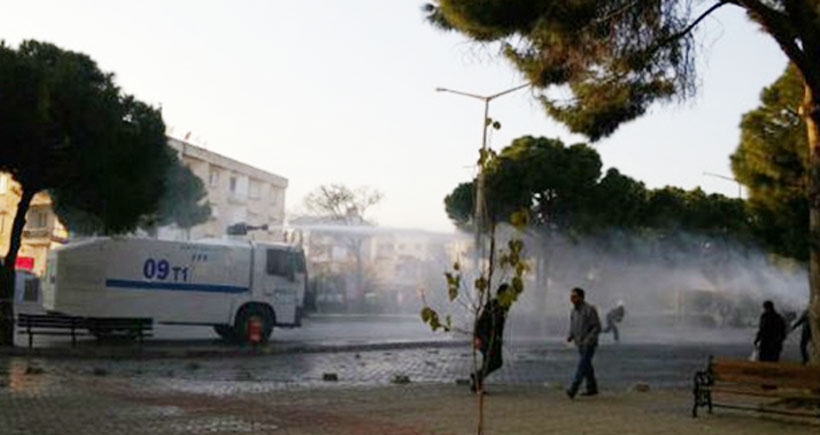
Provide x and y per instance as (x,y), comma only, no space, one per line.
(238,287)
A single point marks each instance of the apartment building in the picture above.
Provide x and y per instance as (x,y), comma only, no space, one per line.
(43,231)
(237,192)
(396,264)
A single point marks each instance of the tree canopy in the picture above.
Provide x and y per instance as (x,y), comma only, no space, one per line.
(772,160)
(563,189)
(182,204)
(66,127)
(614,58)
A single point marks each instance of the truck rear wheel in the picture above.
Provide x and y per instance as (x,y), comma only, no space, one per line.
(249,313)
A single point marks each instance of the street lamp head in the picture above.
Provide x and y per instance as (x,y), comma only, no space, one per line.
(440,89)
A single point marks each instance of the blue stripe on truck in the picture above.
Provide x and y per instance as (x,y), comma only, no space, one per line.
(214,288)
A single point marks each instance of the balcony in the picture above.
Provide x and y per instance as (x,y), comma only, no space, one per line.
(37,236)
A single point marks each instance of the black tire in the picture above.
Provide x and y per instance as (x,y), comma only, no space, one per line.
(250,312)
(226,332)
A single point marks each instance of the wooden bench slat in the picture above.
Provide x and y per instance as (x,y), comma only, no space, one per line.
(55,333)
(764,368)
(786,382)
(50,322)
(783,394)
(734,376)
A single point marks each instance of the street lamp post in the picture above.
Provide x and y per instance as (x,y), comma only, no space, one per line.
(724,177)
(479,196)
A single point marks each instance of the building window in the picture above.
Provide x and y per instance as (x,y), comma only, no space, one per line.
(39,219)
(233,185)
(214,211)
(255,188)
(213,178)
(274,195)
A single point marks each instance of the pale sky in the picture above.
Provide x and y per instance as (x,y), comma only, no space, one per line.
(325,91)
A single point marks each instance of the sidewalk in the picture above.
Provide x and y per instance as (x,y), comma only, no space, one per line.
(104,405)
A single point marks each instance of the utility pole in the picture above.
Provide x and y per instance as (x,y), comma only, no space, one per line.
(480,206)
(727,178)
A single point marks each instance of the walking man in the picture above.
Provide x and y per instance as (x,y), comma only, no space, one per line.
(615,315)
(489,333)
(770,334)
(584,328)
(805,335)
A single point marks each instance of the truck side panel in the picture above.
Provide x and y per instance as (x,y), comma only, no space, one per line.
(165,280)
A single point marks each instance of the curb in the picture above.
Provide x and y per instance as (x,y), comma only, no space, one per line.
(211,351)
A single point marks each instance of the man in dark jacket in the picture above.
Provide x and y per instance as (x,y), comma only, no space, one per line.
(489,335)
(805,335)
(770,334)
(615,315)
(584,328)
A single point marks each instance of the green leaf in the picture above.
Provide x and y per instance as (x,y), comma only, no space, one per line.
(520,219)
(517,285)
(506,299)
(481,284)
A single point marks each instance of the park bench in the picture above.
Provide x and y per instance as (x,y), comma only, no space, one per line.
(60,324)
(730,382)
(52,324)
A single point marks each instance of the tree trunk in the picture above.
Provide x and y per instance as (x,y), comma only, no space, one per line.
(812,119)
(541,246)
(7,270)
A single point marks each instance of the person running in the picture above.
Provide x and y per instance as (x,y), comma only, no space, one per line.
(584,327)
(615,315)
(488,339)
(770,334)
(805,334)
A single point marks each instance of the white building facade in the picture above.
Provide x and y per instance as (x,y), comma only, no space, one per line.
(237,193)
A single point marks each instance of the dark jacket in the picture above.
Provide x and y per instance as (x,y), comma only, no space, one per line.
(490,325)
(584,325)
(772,331)
(616,314)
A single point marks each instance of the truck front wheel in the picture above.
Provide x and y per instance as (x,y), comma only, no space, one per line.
(250,313)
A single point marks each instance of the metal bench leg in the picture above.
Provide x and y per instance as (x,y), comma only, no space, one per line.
(30,337)
(702,396)
(696,394)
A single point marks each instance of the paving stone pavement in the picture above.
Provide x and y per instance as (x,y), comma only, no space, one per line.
(285,393)
(107,405)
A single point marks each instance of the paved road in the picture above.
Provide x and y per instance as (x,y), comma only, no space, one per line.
(284,392)
(551,362)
